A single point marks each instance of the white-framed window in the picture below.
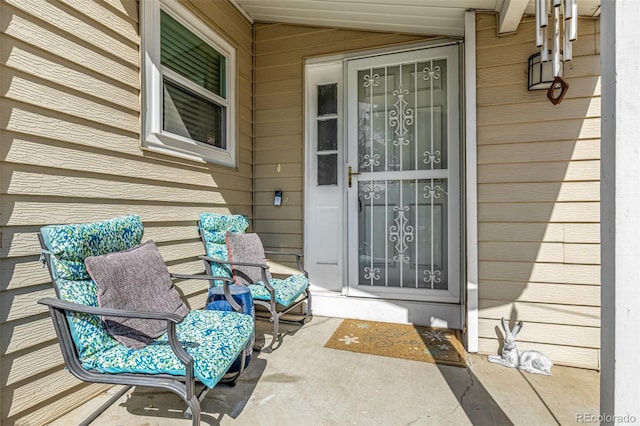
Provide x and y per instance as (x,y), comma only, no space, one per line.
(188,85)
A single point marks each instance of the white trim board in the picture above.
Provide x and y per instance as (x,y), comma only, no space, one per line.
(397,311)
(620,228)
(471,185)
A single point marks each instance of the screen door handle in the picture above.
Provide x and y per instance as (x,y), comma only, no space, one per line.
(352,173)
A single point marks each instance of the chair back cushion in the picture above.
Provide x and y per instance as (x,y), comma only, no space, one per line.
(69,246)
(137,280)
(214,228)
(246,248)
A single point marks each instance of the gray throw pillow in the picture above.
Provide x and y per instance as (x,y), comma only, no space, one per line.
(246,248)
(137,280)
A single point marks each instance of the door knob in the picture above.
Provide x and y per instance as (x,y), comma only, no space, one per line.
(352,173)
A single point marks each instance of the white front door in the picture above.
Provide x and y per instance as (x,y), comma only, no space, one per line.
(324,195)
(383,188)
(403,184)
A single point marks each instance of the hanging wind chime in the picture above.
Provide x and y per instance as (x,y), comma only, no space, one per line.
(564,28)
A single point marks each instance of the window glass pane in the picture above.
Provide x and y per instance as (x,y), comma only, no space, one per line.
(328,135)
(188,55)
(328,169)
(192,116)
(327,99)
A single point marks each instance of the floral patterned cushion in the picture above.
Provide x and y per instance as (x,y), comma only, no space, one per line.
(69,246)
(213,338)
(89,333)
(214,229)
(287,290)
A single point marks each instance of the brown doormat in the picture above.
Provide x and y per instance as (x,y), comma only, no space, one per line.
(435,345)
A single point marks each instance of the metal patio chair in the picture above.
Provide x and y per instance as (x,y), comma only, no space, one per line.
(279,296)
(196,350)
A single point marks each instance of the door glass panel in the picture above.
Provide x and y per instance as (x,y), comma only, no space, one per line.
(372,120)
(328,135)
(431,115)
(403,233)
(403,218)
(327,99)
(328,169)
(402,117)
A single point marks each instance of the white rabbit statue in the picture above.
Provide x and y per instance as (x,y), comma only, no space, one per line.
(529,361)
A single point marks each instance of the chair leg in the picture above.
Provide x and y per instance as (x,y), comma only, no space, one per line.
(271,307)
(276,328)
(276,319)
(193,411)
(308,308)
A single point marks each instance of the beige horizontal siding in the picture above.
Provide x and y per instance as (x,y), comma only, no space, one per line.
(572,356)
(545,313)
(29,360)
(541,252)
(21,25)
(551,334)
(33,150)
(534,292)
(539,197)
(26,59)
(540,192)
(580,87)
(540,272)
(557,171)
(41,93)
(540,212)
(577,150)
(537,232)
(64,19)
(44,210)
(280,51)
(70,153)
(579,128)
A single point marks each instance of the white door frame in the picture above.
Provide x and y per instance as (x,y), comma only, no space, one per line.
(335,303)
(324,205)
(471,184)
(451,174)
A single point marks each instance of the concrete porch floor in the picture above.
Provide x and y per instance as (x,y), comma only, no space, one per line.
(303,383)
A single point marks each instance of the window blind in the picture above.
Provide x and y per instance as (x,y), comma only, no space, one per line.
(191,57)
(186,114)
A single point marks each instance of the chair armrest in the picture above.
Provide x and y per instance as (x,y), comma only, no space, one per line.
(77,307)
(211,278)
(283,253)
(201,277)
(227,262)
(298,256)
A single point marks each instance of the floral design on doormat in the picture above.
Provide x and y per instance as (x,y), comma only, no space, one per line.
(438,335)
(348,340)
(440,346)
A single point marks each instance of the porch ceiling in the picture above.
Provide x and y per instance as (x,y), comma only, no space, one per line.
(428,17)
